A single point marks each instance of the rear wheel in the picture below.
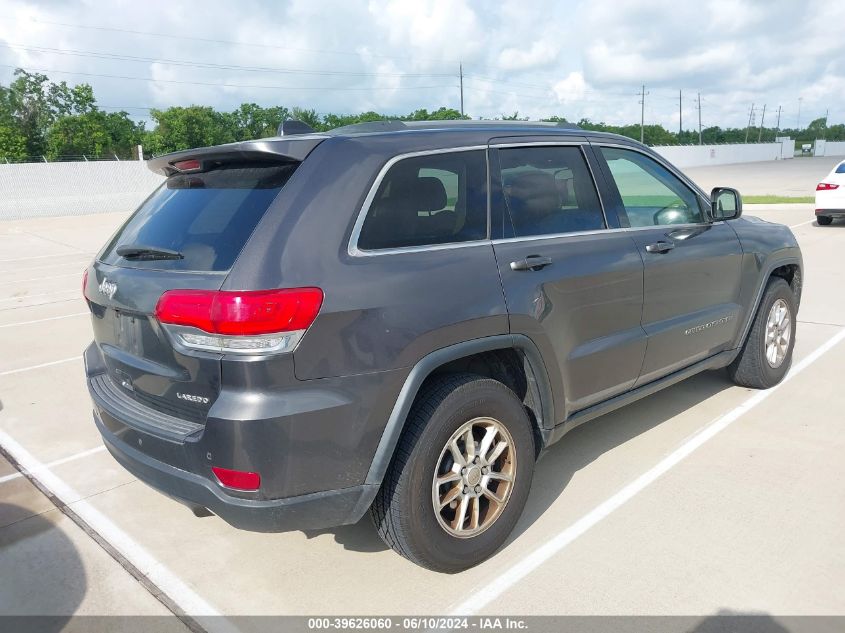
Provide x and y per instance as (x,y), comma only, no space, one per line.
(460,476)
(824,220)
(767,353)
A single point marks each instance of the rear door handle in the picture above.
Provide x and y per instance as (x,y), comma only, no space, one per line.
(660,247)
(532,262)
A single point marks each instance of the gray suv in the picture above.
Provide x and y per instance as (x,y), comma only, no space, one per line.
(399,318)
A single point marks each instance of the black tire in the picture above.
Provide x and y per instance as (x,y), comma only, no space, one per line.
(824,220)
(750,368)
(403,511)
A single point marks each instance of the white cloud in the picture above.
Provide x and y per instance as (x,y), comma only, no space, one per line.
(571,89)
(540,53)
(580,58)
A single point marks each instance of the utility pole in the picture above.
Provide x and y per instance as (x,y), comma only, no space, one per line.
(680,114)
(826,113)
(461,73)
(699,118)
(642,115)
(762,120)
(777,127)
(798,125)
(748,127)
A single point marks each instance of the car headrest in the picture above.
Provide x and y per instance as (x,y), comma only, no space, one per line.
(534,192)
(424,193)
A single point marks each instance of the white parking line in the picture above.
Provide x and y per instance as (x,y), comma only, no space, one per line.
(23,259)
(20,281)
(40,267)
(55,318)
(58,462)
(486,594)
(42,294)
(9,372)
(174,588)
(795,226)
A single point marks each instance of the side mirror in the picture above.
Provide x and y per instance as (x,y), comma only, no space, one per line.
(725,203)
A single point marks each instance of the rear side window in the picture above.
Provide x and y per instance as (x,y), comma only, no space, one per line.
(549,190)
(427,200)
(206,217)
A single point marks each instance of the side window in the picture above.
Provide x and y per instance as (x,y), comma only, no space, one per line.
(549,190)
(426,200)
(651,194)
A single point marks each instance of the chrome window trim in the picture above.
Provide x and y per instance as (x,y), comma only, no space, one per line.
(352,247)
(624,229)
(662,161)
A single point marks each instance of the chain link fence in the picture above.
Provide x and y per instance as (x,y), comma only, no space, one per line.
(31,190)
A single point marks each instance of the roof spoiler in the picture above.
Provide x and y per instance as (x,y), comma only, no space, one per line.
(283,150)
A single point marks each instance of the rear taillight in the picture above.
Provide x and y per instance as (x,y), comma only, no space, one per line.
(238,479)
(246,322)
(826,186)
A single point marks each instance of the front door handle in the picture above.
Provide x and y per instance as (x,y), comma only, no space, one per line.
(532,262)
(660,247)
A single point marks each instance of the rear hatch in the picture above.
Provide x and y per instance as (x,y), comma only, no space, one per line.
(186,235)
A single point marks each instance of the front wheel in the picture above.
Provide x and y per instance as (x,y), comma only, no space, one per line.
(767,353)
(824,220)
(460,475)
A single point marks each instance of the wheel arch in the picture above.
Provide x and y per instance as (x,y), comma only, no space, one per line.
(791,270)
(491,356)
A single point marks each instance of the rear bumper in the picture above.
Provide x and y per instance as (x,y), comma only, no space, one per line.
(312,445)
(312,511)
(831,213)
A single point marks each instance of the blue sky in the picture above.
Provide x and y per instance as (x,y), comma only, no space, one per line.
(541,58)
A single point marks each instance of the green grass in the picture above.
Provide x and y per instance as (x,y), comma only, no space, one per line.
(769,199)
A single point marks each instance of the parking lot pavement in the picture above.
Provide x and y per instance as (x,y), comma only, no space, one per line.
(632,513)
(51,567)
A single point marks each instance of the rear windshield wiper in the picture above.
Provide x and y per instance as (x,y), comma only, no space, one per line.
(136,251)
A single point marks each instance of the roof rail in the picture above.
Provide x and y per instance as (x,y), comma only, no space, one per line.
(393,125)
(292,127)
(387,125)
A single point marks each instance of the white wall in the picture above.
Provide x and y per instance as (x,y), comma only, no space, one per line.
(701,155)
(49,189)
(829,148)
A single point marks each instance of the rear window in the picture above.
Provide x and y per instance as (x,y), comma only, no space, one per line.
(206,217)
(841,168)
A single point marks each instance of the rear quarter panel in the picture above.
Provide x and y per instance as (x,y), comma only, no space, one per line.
(381,312)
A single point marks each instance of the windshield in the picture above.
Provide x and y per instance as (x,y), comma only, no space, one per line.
(206,218)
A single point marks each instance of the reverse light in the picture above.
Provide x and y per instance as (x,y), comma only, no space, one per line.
(826,186)
(244,322)
(237,479)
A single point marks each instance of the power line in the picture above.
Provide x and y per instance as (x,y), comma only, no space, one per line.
(230,42)
(194,64)
(221,85)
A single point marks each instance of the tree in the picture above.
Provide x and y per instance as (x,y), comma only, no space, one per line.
(94,134)
(182,128)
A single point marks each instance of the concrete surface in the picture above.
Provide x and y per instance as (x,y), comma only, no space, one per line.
(796,177)
(751,521)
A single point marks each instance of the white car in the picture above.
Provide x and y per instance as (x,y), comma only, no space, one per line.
(830,196)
